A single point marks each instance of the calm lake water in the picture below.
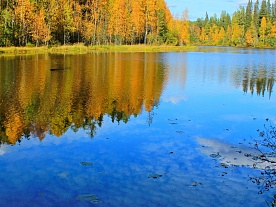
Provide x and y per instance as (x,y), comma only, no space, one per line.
(135,129)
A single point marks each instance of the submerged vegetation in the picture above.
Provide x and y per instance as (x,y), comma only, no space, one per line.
(266,145)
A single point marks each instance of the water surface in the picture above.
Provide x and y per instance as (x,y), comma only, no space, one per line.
(134,129)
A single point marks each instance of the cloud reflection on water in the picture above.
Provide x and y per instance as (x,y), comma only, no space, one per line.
(232,155)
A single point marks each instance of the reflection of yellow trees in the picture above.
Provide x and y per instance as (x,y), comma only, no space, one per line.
(36,101)
(14,125)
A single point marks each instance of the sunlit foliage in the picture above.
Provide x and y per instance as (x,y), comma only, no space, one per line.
(253,26)
(93,22)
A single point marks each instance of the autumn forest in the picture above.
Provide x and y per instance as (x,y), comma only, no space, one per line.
(117,22)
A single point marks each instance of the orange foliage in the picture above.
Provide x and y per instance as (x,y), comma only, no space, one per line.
(98,85)
(40,32)
(14,125)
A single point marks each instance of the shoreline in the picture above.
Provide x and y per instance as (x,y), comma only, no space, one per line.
(81,49)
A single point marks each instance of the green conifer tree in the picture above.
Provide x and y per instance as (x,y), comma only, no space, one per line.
(248,15)
(256,14)
(268,5)
(224,20)
(214,20)
(263,11)
(273,12)
(206,19)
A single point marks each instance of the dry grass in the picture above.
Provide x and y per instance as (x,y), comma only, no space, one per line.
(82,49)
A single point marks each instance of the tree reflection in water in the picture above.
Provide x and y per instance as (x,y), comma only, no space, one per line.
(256,80)
(35,101)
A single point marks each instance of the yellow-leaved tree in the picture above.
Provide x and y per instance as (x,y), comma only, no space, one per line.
(236,34)
(183,28)
(221,36)
(41,31)
(215,34)
(251,35)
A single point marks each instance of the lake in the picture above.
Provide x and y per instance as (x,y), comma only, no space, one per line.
(136,129)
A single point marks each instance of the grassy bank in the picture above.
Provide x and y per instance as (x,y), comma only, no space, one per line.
(22,50)
(142,48)
(81,49)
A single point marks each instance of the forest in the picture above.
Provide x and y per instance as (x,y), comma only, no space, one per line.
(129,22)
(250,26)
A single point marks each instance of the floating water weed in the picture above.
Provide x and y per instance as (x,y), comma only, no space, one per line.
(154,176)
(215,155)
(86,164)
(88,197)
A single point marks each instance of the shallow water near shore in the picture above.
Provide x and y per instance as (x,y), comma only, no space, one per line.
(135,129)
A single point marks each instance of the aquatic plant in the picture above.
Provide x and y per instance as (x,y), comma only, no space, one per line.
(266,145)
(271,203)
(88,197)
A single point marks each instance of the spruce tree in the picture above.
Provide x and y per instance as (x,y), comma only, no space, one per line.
(162,27)
(206,19)
(268,5)
(263,11)
(248,15)
(256,14)
(273,12)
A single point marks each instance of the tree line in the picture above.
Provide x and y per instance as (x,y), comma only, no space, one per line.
(108,22)
(93,22)
(253,26)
